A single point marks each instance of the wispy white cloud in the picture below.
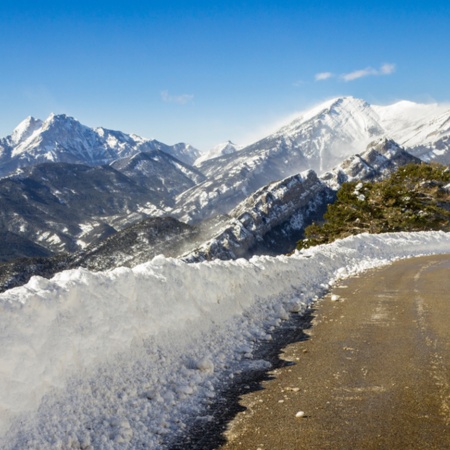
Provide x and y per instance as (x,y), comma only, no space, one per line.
(323,76)
(385,69)
(298,83)
(182,99)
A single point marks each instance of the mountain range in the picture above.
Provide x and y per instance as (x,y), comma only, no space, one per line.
(60,138)
(104,198)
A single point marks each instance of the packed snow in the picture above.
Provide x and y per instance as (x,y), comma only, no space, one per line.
(130,358)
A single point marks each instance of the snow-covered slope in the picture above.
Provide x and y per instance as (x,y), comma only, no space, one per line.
(63,139)
(423,129)
(332,131)
(322,136)
(225,148)
(25,130)
(131,358)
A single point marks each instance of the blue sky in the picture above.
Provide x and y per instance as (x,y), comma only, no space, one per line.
(204,72)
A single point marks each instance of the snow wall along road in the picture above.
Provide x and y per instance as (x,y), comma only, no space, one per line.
(129,357)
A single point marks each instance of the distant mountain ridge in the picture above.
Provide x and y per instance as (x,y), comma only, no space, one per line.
(61,138)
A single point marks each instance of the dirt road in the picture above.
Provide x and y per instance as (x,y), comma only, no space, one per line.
(374,374)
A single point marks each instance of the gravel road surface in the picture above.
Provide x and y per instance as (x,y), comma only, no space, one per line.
(373,374)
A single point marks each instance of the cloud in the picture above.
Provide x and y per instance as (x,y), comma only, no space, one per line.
(182,99)
(385,69)
(323,76)
(298,83)
(359,74)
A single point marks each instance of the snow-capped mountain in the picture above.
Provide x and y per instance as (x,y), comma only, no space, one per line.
(322,137)
(225,148)
(63,139)
(318,139)
(332,131)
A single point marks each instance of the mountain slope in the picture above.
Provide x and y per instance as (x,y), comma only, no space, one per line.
(273,219)
(269,221)
(423,129)
(136,244)
(321,137)
(225,148)
(62,207)
(159,172)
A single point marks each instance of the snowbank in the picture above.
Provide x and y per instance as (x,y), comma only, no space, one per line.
(125,358)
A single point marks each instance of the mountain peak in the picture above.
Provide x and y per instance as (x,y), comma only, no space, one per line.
(333,106)
(59,118)
(222,149)
(347,102)
(25,129)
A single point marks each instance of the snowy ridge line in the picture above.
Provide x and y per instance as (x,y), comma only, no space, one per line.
(129,357)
